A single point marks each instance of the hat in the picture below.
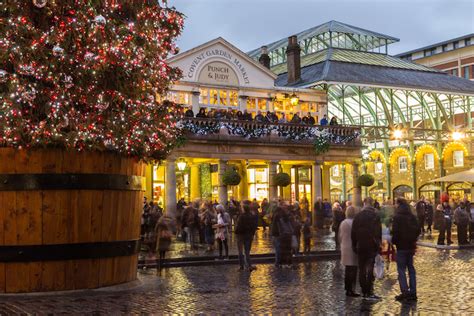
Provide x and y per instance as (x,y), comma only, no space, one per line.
(220,208)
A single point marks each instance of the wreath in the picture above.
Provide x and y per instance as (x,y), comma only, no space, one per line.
(231,177)
(282,179)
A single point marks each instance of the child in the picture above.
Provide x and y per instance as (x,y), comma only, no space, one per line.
(163,243)
(307,236)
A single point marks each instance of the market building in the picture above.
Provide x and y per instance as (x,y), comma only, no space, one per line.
(403,122)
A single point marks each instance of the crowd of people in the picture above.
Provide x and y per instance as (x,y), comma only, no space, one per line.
(361,234)
(267,117)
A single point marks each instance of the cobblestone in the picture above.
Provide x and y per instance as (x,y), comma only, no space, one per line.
(445,285)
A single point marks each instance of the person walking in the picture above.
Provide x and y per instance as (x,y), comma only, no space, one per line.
(337,218)
(348,256)
(366,235)
(191,223)
(307,236)
(461,218)
(296,239)
(448,217)
(163,243)
(286,234)
(222,230)
(405,232)
(319,213)
(429,216)
(245,230)
(209,219)
(275,231)
(440,224)
(420,213)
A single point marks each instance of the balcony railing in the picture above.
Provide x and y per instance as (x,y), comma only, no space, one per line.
(206,128)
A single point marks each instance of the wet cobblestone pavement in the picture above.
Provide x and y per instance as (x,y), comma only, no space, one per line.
(445,285)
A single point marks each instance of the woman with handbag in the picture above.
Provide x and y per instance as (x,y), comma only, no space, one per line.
(222,230)
(163,243)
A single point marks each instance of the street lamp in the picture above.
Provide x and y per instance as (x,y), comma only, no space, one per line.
(457,135)
(181,165)
(398,134)
(294,99)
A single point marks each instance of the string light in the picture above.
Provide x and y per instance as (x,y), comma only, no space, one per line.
(78,74)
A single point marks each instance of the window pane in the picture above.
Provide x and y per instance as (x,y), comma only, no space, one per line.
(203,99)
(429,161)
(251,104)
(262,104)
(233,98)
(213,96)
(458,158)
(223,97)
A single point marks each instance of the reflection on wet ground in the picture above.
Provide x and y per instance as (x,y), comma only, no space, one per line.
(445,285)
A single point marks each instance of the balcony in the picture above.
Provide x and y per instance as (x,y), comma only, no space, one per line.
(269,133)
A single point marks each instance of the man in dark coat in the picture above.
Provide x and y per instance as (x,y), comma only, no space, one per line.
(420,213)
(245,230)
(319,213)
(366,237)
(405,232)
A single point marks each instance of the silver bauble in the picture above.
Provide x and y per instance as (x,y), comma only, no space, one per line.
(40,3)
(58,51)
(100,20)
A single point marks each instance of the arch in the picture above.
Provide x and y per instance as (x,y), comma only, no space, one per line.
(376,154)
(426,149)
(219,59)
(403,191)
(451,146)
(397,152)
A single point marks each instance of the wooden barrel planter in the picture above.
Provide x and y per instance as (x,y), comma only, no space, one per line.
(69,220)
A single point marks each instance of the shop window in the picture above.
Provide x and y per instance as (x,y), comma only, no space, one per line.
(258,183)
(233,98)
(203,96)
(251,104)
(429,161)
(402,163)
(261,104)
(458,158)
(213,97)
(378,167)
(218,97)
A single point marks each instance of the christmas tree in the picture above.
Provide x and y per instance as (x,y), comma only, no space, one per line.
(88,74)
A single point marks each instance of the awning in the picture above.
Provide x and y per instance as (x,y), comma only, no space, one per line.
(463,176)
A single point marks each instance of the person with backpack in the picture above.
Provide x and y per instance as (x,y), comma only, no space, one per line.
(366,236)
(405,232)
(461,218)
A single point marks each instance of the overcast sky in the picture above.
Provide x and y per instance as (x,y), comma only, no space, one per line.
(249,24)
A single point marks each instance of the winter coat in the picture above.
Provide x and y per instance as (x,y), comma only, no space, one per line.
(461,217)
(405,229)
(319,209)
(439,220)
(223,219)
(429,214)
(246,225)
(338,217)
(366,233)
(348,256)
(163,237)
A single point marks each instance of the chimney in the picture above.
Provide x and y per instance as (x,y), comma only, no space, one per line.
(293,60)
(264,59)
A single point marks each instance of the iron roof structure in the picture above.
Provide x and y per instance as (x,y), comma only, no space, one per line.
(331,26)
(460,38)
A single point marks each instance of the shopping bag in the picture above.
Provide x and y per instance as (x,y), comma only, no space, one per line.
(379,267)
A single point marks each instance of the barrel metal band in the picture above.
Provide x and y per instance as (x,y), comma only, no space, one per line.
(71,181)
(56,252)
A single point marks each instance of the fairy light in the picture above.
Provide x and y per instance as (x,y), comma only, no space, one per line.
(82,83)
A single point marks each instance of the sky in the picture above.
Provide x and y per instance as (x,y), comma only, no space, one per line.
(249,24)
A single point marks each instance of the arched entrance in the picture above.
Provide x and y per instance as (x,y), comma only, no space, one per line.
(430,191)
(403,191)
(336,195)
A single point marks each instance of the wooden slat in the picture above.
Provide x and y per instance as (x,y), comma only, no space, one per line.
(97,209)
(28,218)
(17,277)
(84,214)
(35,271)
(53,277)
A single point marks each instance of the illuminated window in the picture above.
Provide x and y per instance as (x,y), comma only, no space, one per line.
(179,97)
(429,161)
(402,163)
(262,104)
(458,158)
(213,96)
(233,98)
(223,97)
(251,104)
(203,96)
(378,167)
(258,183)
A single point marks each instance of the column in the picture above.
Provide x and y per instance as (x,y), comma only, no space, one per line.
(273,189)
(344,183)
(244,185)
(356,198)
(413,176)
(195,192)
(222,189)
(326,182)
(170,205)
(389,180)
(366,189)
(195,101)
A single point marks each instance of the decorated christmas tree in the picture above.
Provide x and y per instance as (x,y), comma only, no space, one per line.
(88,75)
